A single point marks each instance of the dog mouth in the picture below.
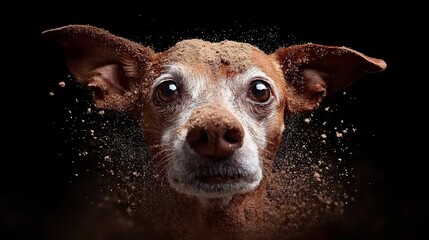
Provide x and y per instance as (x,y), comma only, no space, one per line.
(217,179)
(216,182)
(220,176)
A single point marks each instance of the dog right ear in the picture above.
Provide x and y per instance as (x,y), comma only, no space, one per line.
(110,66)
(313,70)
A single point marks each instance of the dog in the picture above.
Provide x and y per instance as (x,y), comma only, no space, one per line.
(213,117)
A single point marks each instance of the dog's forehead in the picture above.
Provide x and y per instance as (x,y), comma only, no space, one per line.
(226,57)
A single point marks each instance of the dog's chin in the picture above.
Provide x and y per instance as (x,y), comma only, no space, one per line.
(215,182)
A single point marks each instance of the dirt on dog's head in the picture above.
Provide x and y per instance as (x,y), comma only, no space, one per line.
(213,116)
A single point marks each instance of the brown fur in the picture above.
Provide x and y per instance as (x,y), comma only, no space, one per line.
(120,73)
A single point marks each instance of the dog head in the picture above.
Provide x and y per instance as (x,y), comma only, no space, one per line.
(212,113)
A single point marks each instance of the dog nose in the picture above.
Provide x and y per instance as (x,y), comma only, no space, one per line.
(214,133)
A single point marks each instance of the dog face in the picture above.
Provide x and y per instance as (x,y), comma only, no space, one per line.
(223,104)
(212,113)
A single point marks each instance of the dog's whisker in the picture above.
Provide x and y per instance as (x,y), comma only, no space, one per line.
(163,171)
(164,151)
(154,146)
(164,163)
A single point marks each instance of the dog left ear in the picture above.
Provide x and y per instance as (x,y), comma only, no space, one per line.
(312,71)
(110,66)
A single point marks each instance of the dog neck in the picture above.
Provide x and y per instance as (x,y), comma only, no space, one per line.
(228,218)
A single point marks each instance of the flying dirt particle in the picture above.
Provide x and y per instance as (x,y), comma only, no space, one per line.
(323,135)
(307,120)
(345,130)
(62,84)
(107,158)
(112,172)
(89,110)
(317,176)
(327,109)
(84,153)
(101,112)
(51,94)
(76,174)
(339,159)
(338,134)
(354,129)
(345,196)
(129,210)
(136,174)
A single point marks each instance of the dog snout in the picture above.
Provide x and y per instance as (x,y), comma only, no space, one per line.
(214,133)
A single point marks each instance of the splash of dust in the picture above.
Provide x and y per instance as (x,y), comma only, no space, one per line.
(306,189)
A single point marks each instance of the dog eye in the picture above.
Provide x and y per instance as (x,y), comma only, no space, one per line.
(167,92)
(259,91)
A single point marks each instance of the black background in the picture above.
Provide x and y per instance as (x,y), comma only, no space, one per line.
(36,170)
